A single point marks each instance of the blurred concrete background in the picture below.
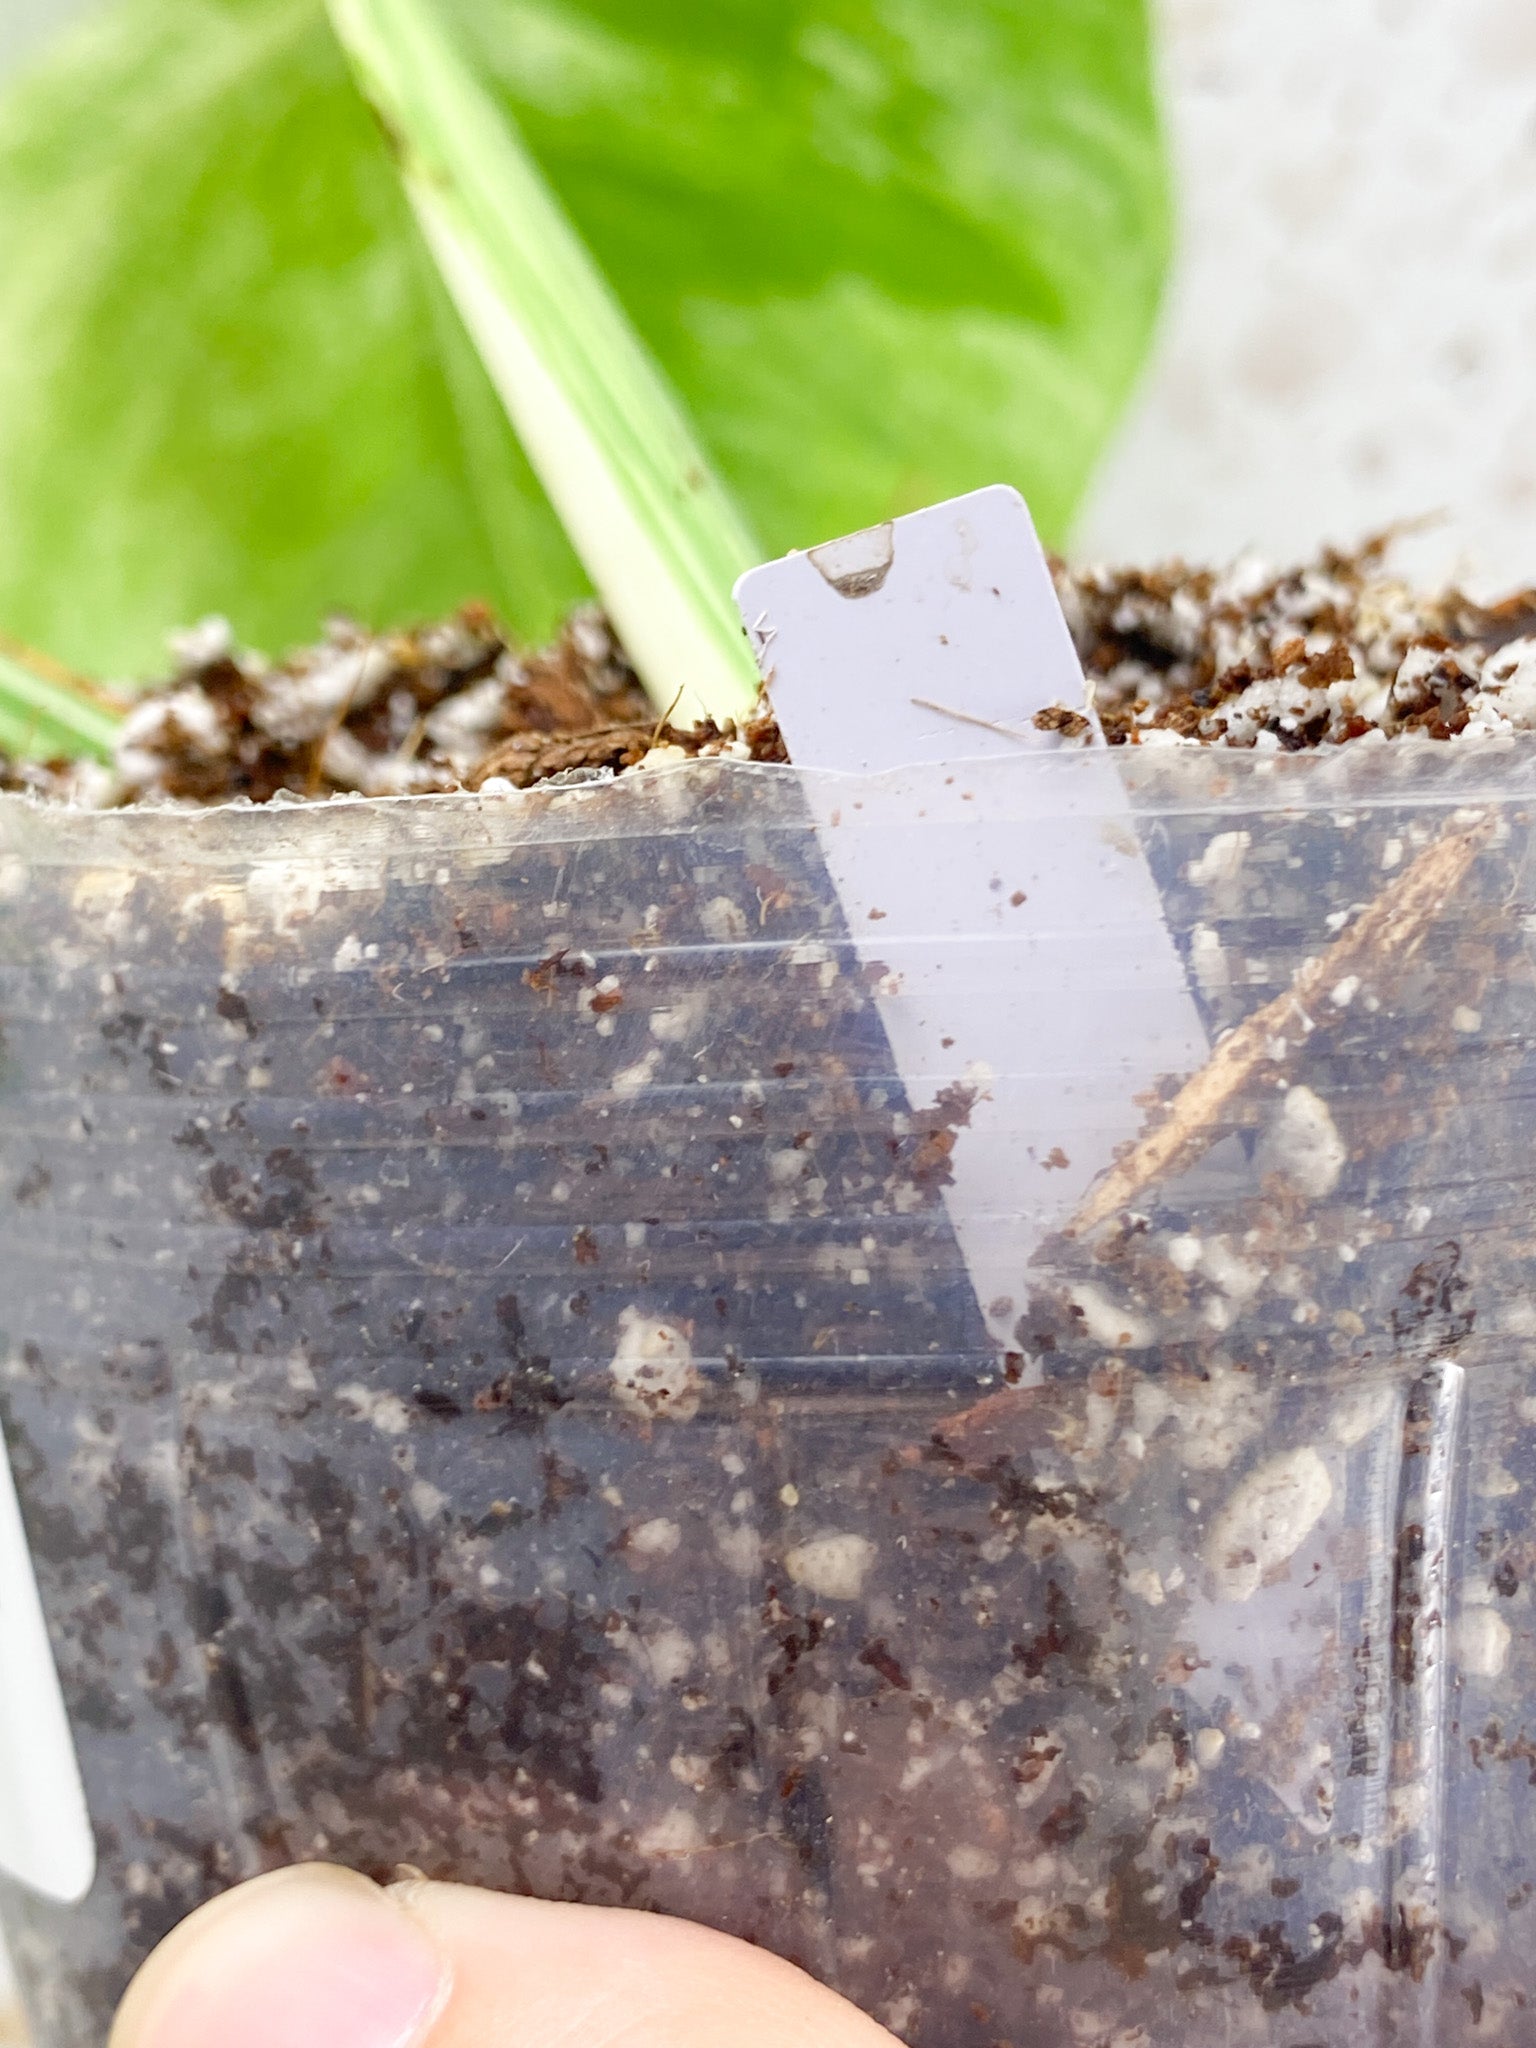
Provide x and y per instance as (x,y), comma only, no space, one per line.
(1350,337)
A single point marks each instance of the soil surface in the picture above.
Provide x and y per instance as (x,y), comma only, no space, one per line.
(1335,650)
(450,705)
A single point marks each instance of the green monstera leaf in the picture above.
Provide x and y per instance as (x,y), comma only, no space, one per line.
(228,378)
(885,250)
(888,249)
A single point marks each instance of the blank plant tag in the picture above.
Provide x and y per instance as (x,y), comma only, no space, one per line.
(1020,934)
(45,1831)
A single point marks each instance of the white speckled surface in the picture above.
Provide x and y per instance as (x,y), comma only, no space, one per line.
(1351,334)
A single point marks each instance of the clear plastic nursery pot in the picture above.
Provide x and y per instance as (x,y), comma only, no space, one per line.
(494,1385)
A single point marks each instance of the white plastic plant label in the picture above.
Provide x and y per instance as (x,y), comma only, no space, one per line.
(45,1829)
(909,653)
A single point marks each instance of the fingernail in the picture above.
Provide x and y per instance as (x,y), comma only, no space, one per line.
(312,1957)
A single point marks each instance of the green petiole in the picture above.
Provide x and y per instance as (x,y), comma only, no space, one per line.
(656,531)
(41,719)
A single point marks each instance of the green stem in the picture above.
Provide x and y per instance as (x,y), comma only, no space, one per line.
(658,534)
(41,720)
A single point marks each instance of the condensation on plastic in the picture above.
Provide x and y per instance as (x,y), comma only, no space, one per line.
(493,1387)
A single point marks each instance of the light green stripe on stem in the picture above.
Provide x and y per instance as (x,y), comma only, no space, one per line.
(656,531)
(40,719)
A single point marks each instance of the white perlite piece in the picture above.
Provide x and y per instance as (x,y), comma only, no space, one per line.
(654,1375)
(1480,1641)
(834,1565)
(1266,1521)
(1222,859)
(656,1538)
(1507,699)
(210,640)
(677,1833)
(1304,1145)
(387,1412)
(1107,1323)
(1209,1745)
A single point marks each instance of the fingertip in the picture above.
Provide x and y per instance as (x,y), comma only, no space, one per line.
(304,1955)
(529,1973)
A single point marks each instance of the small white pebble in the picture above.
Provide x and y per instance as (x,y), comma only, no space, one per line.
(387,1412)
(653,1370)
(676,1834)
(834,1564)
(724,921)
(634,1080)
(1267,1519)
(1209,1744)
(669,1653)
(1116,1328)
(656,1538)
(210,640)
(1304,1145)
(1209,961)
(1222,859)
(1480,1642)
(1466,1020)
